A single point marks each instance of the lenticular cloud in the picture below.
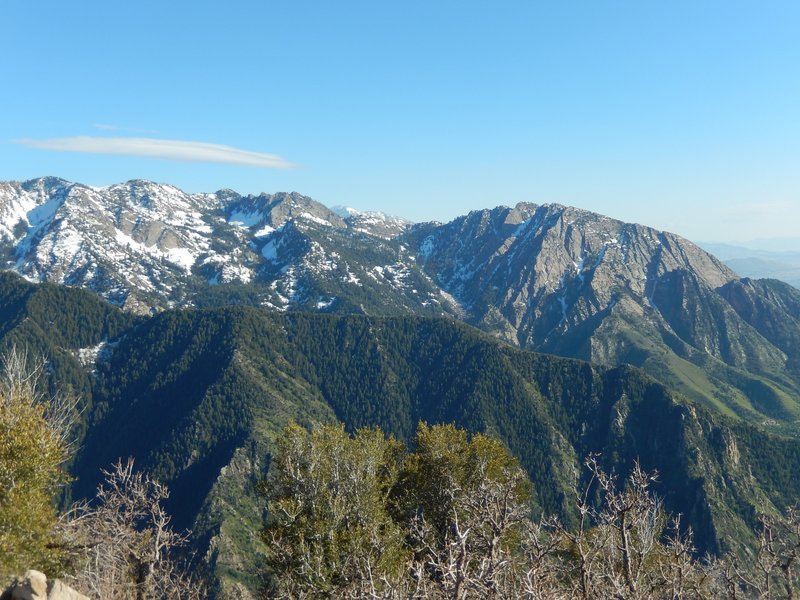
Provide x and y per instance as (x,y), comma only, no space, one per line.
(164,149)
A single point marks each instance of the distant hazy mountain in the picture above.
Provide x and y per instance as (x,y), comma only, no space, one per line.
(784,244)
(545,277)
(759,263)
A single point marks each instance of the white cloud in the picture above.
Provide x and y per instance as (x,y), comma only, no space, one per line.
(164,149)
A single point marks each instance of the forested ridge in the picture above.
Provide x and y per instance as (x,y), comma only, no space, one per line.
(199,396)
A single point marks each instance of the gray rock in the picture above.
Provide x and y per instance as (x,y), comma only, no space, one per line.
(32,586)
(58,590)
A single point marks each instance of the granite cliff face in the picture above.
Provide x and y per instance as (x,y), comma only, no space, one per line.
(542,270)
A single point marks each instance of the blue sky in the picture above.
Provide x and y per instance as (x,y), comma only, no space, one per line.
(680,115)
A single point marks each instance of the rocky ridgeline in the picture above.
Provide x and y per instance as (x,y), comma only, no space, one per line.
(35,586)
(528,272)
(144,245)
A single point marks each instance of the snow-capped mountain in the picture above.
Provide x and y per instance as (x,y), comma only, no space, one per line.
(144,245)
(373,223)
(529,272)
(133,236)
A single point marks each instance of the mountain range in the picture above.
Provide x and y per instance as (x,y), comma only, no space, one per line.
(548,278)
(761,263)
(195,326)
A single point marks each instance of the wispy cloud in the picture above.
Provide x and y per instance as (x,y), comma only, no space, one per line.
(163,149)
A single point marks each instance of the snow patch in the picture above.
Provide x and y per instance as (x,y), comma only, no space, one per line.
(323,303)
(315,219)
(245,219)
(579,268)
(181,257)
(264,231)
(270,251)
(88,356)
(427,247)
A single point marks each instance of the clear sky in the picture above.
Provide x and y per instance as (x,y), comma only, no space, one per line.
(683,115)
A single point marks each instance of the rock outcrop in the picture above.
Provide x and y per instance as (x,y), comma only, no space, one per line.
(35,586)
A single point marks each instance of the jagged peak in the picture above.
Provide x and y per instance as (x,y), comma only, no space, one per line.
(46,183)
(374,223)
(278,208)
(137,186)
(345,211)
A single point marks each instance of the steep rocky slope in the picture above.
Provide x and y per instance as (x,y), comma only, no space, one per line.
(574,283)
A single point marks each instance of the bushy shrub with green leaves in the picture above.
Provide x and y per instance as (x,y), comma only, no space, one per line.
(33,446)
